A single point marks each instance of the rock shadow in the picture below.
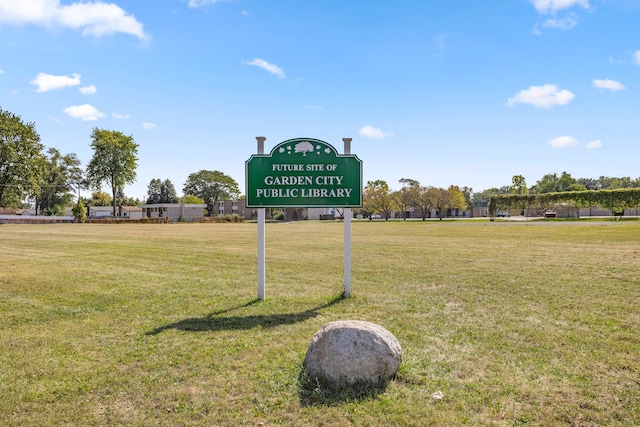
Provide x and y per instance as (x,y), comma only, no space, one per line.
(319,392)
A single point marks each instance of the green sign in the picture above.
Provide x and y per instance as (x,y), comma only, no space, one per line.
(303,172)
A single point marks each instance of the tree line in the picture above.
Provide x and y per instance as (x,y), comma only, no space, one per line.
(48,180)
(552,188)
(378,198)
(615,194)
(614,200)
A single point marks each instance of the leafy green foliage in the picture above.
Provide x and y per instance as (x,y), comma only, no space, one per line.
(190,199)
(159,191)
(482,198)
(62,175)
(378,198)
(552,183)
(21,160)
(518,185)
(114,161)
(79,212)
(440,199)
(609,199)
(609,183)
(100,198)
(408,195)
(456,198)
(211,186)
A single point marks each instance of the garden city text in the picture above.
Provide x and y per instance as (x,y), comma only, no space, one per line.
(299,185)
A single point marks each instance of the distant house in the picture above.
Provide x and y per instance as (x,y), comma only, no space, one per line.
(8,211)
(26,212)
(174,211)
(130,212)
(100,211)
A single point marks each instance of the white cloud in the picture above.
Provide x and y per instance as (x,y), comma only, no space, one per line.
(94,18)
(594,145)
(636,57)
(611,85)
(194,4)
(1,71)
(148,126)
(561,23)
(120,116)
(552,6)
(563,142)
(544,96)
(85,112)
(371,132)
(47,82)
(273,69)
(88,90)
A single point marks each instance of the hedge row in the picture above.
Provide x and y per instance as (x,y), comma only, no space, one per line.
(615,200)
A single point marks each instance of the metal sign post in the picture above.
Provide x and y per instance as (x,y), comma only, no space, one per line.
(261,237)
(347,235)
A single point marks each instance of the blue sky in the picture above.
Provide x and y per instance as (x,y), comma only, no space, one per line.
(464,92)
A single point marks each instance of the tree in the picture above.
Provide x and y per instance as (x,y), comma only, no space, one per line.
(482,198)
(457,199)
(407,196)
(62,175)
(79,212)
(161,192)
(426,200)
(609,183)
(114,161)
(124,200)
(190,199)
(518,185)
(168,192)
(441,201)
(552,183)
(21,160)
(468,196)
(153,191)
(378,198)
(100,198)
(211,186)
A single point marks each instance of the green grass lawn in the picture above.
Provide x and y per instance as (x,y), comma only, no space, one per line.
(515,323)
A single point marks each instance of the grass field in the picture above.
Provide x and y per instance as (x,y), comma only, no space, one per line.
(515,323)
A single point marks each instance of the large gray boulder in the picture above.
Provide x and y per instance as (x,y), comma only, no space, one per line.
(347,352)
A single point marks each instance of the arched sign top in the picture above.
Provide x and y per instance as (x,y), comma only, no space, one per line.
(304,146)
(303,172)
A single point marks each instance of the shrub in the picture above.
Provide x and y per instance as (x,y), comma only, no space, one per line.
(79,212)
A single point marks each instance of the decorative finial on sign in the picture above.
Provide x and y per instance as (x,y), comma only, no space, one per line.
(347,145)
(261,140)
